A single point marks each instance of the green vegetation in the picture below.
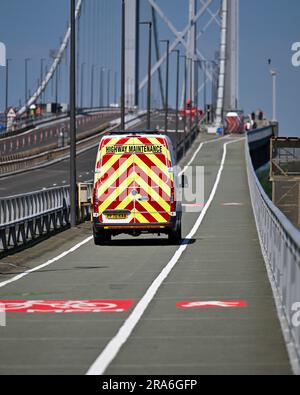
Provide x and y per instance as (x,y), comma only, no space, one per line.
(263,176)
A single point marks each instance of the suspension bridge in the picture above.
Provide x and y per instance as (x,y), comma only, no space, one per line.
(224,300)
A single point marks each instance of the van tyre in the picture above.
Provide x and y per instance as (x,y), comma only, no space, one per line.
(175,235)
(101,238)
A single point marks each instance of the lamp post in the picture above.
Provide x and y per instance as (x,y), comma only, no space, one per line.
(115,88)
(274,94)
(191,96)
(56,85)
(42,76)
(26,79)
(108,88)
(196,91)
(82,84)
(73,185)
(213,90)
(101,87)
(184,98)
(177,91)
(92,85)
(123,67)
(6,83)
(204,90)
(167,42)
(273,73)
(149,73)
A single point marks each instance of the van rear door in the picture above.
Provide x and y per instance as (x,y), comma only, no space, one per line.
(134,180)
(154,181)
(116,181)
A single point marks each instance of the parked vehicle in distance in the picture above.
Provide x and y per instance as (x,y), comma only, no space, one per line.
(135,187)
(189,110)
(234,123)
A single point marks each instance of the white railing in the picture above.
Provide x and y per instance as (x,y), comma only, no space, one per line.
(25,207)
(26,218)
(280,244)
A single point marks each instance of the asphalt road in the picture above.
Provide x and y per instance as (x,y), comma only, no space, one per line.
(58,174)
(220,260)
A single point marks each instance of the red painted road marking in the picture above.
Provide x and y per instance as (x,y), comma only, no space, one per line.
(211,304)
(65,306)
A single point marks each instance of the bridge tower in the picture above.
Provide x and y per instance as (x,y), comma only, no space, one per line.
(231,99)
(132,11)
(228,85)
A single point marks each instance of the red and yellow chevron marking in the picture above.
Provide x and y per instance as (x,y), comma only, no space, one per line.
(139,164)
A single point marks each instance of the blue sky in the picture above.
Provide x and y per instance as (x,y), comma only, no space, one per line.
(268,29)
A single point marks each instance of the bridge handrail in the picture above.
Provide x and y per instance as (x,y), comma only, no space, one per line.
(21,208)
(280,244)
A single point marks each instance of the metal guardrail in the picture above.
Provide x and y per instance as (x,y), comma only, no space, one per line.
(22,125)
(29,217)
(280,244)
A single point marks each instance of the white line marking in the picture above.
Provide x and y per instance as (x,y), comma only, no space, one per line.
(19,276)
(197,152)
(113,347)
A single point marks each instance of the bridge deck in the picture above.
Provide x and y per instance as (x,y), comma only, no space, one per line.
(223,261)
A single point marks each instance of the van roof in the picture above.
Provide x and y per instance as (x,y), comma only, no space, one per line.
(136,132)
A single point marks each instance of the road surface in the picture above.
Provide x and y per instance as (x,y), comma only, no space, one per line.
(219,260)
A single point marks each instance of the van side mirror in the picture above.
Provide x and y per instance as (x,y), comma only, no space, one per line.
(184,182)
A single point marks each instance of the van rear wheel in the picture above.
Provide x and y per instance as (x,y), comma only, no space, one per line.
(175,235)
(101,238)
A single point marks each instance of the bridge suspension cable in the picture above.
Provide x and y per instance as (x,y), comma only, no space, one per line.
(54,67)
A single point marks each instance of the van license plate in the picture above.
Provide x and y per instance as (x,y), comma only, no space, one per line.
(117,216)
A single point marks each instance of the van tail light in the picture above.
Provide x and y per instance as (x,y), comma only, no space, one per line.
(173,200)
(95,201)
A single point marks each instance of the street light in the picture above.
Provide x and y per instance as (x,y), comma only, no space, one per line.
(167,85)
(42,75)
(101,87)
(184,98)
(26,79)
(196,62)
(213,89)
(6,84)
(82,84)
(149,73)
(191,96)
(274,100)
(123,68)
(92,85)
(204,80)
(115,88)
(177,91)
(108,88)
(56,85)
(73,185)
